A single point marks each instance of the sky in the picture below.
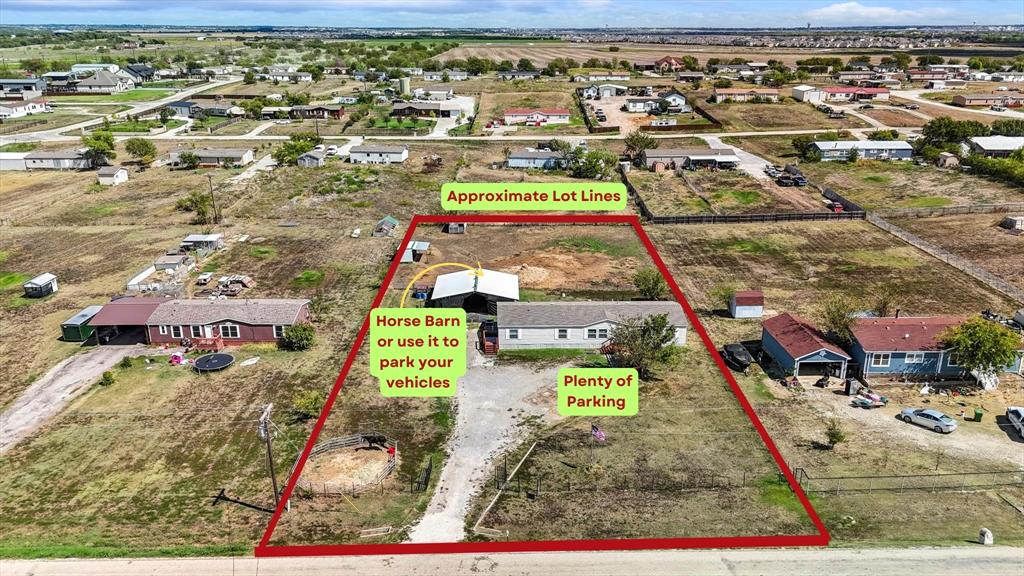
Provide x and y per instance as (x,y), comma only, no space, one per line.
(516,13)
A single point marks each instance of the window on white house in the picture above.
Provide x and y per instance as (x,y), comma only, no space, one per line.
(881,360)
(228,331)
(914,357)
(513,334)
(163,329)
(197,331)
(278,331)
(563,333)
(601,333)
(175,331)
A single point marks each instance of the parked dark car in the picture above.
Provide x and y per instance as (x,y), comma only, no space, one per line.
(785,180)
(737,356)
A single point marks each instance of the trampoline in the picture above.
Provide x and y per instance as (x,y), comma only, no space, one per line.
(213,362)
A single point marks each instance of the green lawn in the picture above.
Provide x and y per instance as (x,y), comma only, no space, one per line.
(143,125)
(129,96)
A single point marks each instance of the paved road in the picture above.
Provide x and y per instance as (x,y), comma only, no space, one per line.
(975,561)
(48,395)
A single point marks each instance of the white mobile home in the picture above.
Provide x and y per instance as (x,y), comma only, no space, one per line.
(58,160)
(586,325)
(372,154)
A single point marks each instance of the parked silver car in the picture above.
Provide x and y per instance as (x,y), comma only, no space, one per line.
(929,418)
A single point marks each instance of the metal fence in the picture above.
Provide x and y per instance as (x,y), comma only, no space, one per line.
(951,210)
(903,483)
(339,443)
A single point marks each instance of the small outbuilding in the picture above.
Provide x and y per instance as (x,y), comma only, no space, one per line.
(1013,223)
(112,175)
(474,290)
(385,227)
(746,304)
(312,159)
(947,160)
(77,328)
(42,285)
(456,227)
(415,251)
(801,349)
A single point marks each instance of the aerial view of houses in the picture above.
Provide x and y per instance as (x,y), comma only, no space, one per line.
(633,288)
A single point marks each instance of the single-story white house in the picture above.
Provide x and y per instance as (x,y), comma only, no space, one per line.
(112,175)
(537,116)
(642,104)
(202,242)
(58,160)
(601,76)
(377,154)
(866,149)
(577,324)
(15,109)
(602,91)
(439,92)
(216,156)
(996,146)
(452,75)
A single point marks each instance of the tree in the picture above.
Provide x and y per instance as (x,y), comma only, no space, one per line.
(297,145)
(945,130)
(982,346)
(99,146)
(637,141)
(307,404)
(199,203)
(595,164)
(525,65)
(298,337)
(107,378)
(188,160)
(887,300)
(249,78)
(836,317)
(1008,127)
(141,149)
(929,59)
(890,134)
(834,433)
(642,343)
(853,155)
(315,70)
(723,83)
(650,283)
(165,115)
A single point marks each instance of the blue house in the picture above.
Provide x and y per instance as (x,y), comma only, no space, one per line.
(538,159)
(908,347)
(181,108)
(801,349)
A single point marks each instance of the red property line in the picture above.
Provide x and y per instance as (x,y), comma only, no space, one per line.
(263,549)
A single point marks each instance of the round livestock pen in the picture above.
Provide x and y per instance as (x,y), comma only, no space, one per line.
(349,464)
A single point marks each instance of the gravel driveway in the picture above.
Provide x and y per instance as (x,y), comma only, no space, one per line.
(490,402)
(48,395)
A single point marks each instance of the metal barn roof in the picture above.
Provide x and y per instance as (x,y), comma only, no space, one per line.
(489,282)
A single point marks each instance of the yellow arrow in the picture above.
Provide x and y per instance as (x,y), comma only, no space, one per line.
(478,271)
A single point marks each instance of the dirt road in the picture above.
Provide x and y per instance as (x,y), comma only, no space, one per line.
(975,560)
(491,401)
(963,443)
(48,395)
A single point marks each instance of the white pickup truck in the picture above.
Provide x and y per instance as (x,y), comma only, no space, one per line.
(1015,417)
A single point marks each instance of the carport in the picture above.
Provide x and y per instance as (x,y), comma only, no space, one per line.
(123,321)
(801,349)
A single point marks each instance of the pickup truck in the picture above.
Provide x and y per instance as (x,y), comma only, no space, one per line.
(1015,418)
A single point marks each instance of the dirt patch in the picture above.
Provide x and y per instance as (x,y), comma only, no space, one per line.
(345,466)
(895,118)
(561,270)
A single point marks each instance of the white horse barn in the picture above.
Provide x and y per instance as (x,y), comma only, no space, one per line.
(577,324)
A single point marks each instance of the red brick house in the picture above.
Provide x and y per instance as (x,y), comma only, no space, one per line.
(219,323)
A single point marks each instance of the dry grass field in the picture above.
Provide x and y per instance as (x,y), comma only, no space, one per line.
(749,117)
(954,112)
(879,184)
(796,265)
(707,192)
(895,118)
(976,237)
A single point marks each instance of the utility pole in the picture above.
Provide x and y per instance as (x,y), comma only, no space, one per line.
(264,432)
(213,200)
(316,122)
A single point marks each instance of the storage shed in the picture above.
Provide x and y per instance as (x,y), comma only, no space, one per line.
(112,175)
(385,227)
(42,285)
(1013,223)
(746,304)
(77,328)
(474,291)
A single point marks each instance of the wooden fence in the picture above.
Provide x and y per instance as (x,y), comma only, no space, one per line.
(7,128)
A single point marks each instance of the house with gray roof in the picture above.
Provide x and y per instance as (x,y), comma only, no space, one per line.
(216,156)
(378,154)
(57,160)
(224,322)
(866,149)
(586,325)
(537,159)
(104,82)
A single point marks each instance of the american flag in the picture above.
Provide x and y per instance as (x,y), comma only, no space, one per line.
(597,432)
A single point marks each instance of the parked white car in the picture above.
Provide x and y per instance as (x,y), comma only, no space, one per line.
(932,419)
(1015,417)
(332,150)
